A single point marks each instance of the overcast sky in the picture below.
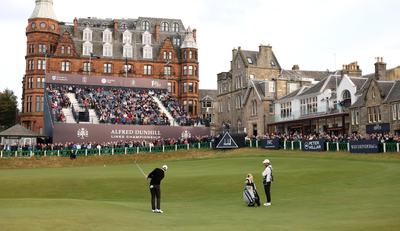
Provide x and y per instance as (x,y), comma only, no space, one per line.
(308,33)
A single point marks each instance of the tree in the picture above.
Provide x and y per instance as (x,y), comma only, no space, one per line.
(8,108)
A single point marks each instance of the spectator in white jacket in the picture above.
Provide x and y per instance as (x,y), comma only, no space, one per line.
(268,178)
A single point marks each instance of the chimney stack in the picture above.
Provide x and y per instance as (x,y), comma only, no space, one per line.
(295,67)
(194,34)
(380,69)
(157,33)
(115,30)
(75,28)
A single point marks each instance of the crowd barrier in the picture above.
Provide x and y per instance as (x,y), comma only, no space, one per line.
(108,151)
(329,146)
(284,145)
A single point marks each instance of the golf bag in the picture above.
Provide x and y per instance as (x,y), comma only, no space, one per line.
(250,194)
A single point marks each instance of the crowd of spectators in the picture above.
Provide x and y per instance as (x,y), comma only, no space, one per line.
(58,99)
(178,112)
(383,138)
(106,145)
(117,106)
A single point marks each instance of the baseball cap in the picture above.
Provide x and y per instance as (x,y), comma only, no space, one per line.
(266,161)
(165,167)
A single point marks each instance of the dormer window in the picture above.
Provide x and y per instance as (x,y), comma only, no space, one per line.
(124,26)
(164,26)
(107,49)
(87,48)
(87,34)
(249,60)
(272,63)
(145,25)
(127,50)
(373,93)
(147,52)
(146,38)
(104,25)
(175,27)
(127,37)
(107,35)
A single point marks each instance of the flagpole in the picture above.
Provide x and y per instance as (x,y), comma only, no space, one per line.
(45,61)
(90,63)
(126,64)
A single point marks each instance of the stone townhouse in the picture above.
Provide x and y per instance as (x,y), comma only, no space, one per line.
(209,108)
(377,107)
(247,92)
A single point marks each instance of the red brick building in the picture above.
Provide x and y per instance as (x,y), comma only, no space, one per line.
(146,44)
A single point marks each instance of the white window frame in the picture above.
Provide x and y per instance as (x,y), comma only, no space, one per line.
(147,52)
(87,34)
(127,50)
(108,50)
(87,48)
(107,36)
(146,38)
(271,86)
(175,27)
(127,37)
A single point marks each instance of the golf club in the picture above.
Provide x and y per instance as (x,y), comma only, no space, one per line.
(139,168)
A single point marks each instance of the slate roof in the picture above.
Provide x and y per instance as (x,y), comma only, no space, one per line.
(316,75)
(358,81)
(208,94)
(19,131)
(291,94)
(252,55)
(385,86)
(328,82)
(394,93)
(134,27)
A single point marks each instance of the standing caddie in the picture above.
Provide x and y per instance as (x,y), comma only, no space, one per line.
(268,178)
(156,176)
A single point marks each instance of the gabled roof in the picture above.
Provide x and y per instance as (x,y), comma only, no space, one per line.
(384,87)
(19,131)
(394,93)
(299,74)
(329,82)
(208,95)
(293,93)
(358,81)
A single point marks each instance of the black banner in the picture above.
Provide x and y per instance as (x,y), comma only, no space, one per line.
(364,146)
(270,143)
(375,128)
(313,145)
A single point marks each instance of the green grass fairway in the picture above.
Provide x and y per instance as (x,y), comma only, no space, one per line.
(310,192)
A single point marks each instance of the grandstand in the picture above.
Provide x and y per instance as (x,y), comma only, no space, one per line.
(74,107)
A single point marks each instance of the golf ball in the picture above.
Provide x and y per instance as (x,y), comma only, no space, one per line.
(104,165)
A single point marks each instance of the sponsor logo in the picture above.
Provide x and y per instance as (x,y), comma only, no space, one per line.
(377,127)
(83,133)
(103,81)
(270,142)
(133,82)
(155,84)
(312,145)
(186,134)
(84,79)
(59,78)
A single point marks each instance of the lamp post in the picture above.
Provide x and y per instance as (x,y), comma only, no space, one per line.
(264,123)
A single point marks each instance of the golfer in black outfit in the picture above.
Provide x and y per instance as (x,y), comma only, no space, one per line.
(156,176)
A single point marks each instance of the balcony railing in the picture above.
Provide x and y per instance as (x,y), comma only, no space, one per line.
(313,112)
